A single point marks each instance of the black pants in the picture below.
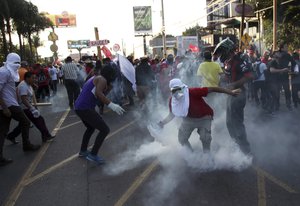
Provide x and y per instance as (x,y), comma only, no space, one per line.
(92,120)
(260,86)
(38,122)
(54,86)
(18,115)
(235,120)
(287,92)
(295,90)
(73,90)
(42,91)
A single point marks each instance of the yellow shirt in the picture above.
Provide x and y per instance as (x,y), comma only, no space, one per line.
(210,72)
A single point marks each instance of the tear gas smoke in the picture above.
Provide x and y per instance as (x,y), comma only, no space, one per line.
(175,160)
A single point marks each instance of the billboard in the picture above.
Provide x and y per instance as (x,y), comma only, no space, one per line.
(142,17)
(62,20)
(185,43)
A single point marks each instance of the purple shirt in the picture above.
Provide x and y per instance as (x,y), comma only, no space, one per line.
(86,99)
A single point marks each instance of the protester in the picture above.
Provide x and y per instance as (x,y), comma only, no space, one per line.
(188,103)
(296,80)
(53,72)
(210,73)
(259,84)
(9,107)
(70,72)
(43,79)
(27,102)
(24,68)
(144,80)
(279,68)
(237,74)
(95,88)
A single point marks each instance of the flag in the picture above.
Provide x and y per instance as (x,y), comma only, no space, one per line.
(193,48)
(127,70)
(106,52)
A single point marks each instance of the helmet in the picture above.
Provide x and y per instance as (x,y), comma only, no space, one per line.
(224,48)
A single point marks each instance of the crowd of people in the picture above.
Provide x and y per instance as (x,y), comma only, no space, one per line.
(187,84)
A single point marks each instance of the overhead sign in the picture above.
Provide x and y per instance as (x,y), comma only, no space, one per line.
(62,20)
(142,17)
(78,44)
(99,42)
(236,9)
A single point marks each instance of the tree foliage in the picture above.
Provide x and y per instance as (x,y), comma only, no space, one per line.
(24,18)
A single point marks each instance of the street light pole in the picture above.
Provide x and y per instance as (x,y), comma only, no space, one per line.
(163,29)
(274,24)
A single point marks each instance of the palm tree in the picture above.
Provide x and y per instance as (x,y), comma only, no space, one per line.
(36,43)
(4,11)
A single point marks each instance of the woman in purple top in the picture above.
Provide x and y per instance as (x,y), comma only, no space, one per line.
(95,88)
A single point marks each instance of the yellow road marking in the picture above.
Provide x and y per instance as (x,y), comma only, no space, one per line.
(136,184)
(60,164)
(261,186)
(275,180)
(69,125)
(11,200)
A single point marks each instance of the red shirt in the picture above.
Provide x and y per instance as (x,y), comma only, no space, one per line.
(198,108)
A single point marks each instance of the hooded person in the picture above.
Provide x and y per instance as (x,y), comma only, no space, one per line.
(9,106)
(188,104)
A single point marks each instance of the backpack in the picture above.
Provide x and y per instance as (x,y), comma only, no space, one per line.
(41,76)
(256,71)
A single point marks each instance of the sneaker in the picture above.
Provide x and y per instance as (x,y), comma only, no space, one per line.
(83,153)
(30,147)
(4,161)
(94,158)
(48,139)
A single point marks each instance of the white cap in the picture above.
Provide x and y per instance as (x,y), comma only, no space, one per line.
(175,83)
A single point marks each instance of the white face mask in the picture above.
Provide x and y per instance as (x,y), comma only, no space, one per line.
(13,68)
(178,94)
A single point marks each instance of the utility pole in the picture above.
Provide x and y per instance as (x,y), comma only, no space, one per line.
(98,47)
(242,24)
(163,29)
(274,25)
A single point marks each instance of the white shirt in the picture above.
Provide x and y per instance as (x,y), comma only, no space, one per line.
(7,88)
(25,89)
(53,73)
(262,68)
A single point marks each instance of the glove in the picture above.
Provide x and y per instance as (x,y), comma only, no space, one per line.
(36,113)
(116,108)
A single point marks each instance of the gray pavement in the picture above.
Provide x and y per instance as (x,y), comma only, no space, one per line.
(56,176)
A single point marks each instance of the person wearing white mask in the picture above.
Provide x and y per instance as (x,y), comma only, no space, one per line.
(188,103)
(9,107)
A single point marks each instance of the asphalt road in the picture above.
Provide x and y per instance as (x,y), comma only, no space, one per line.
(141,171)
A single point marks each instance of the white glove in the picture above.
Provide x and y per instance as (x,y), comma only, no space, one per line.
(36,113)
(116,108)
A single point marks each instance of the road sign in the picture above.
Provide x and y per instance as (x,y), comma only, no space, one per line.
(116,47)
(99,42)
(54,47)
(246,39)
(52,37)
